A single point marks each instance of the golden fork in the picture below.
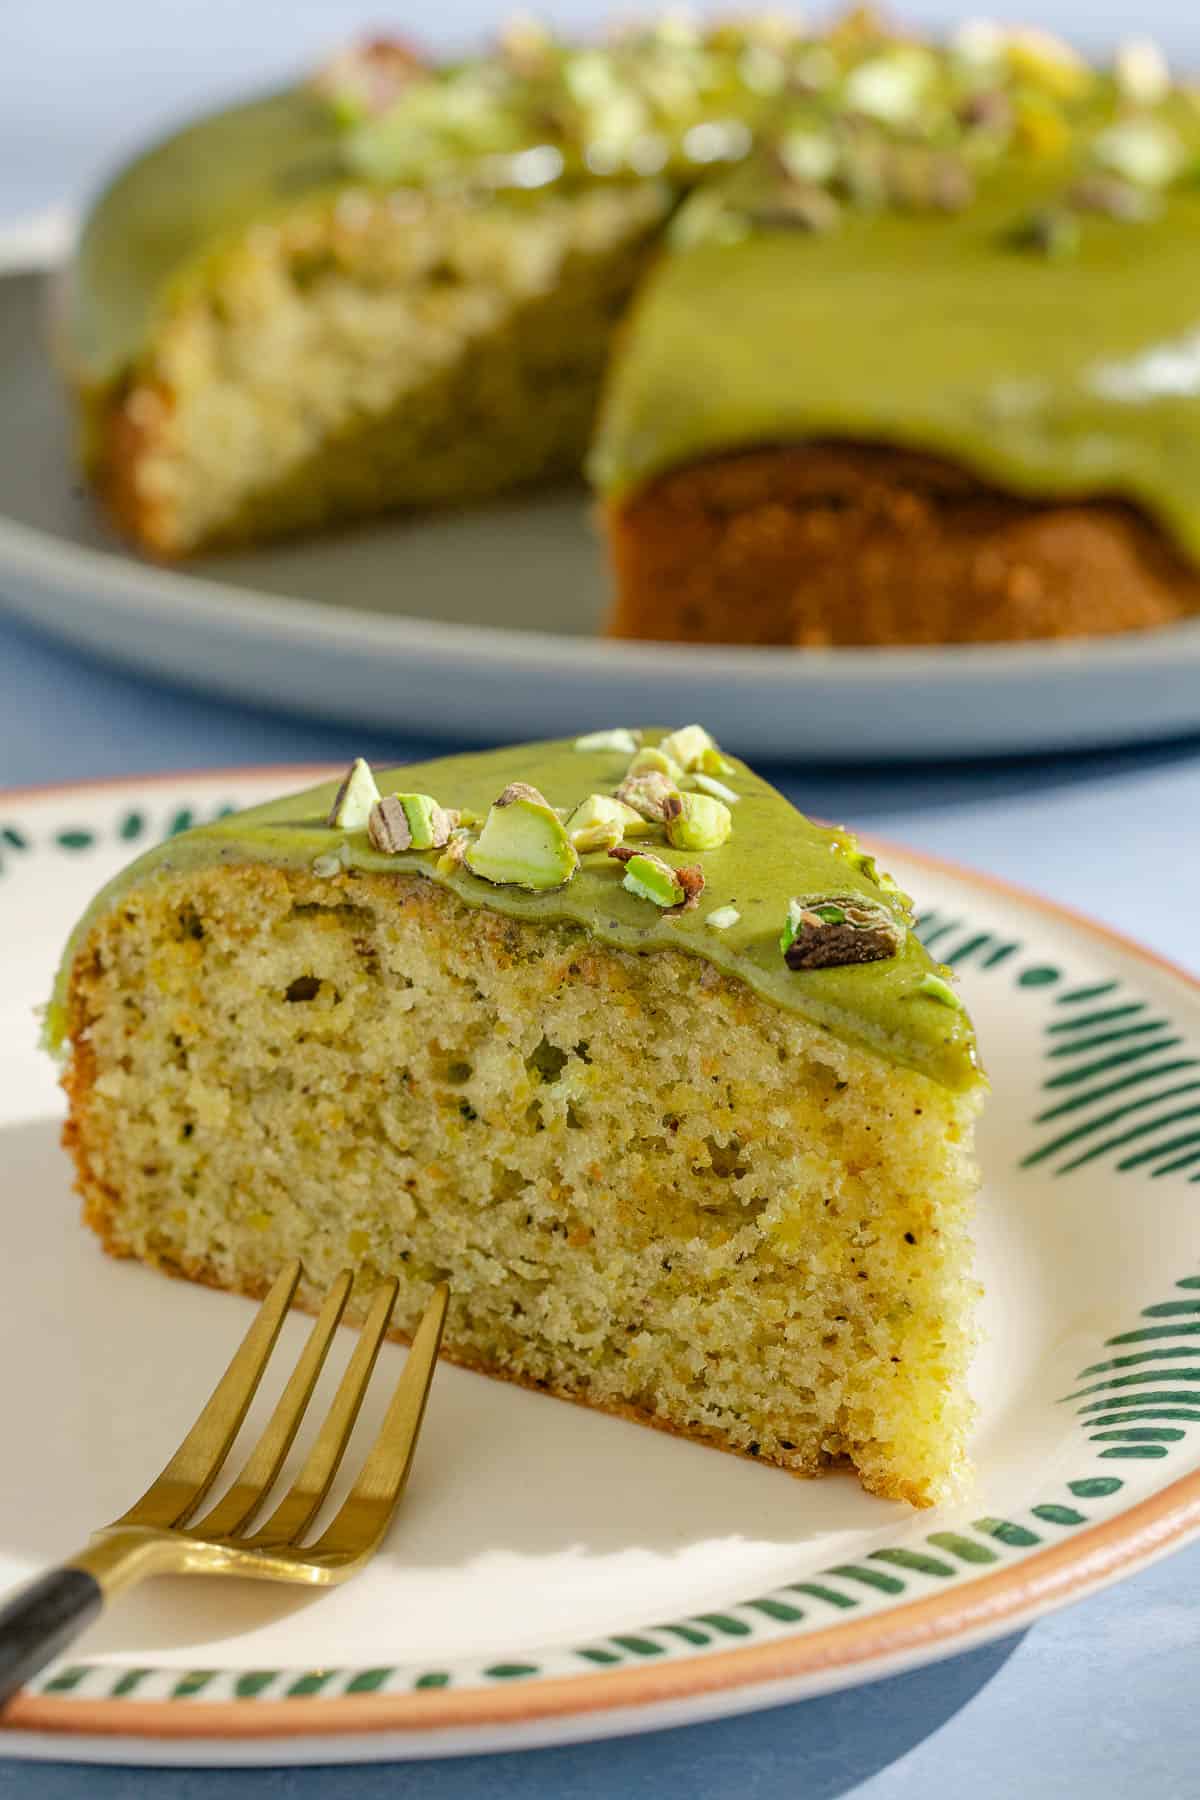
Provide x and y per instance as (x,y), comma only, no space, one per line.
(154,1536)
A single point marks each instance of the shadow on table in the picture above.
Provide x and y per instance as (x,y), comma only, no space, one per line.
(817,1749)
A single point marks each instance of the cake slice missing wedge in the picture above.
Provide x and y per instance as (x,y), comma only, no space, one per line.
(649,1067)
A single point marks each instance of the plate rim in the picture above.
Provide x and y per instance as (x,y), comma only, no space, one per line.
(139,588)
(919,1630)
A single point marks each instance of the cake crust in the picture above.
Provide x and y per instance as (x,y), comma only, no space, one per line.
(854,544)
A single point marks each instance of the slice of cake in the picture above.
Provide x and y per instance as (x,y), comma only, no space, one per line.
(649,1067)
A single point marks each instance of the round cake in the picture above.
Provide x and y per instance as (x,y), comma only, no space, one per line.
(862,339)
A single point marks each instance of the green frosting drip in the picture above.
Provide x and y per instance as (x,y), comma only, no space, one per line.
(773,855)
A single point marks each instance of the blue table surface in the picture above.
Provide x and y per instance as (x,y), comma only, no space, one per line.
(1097,1699)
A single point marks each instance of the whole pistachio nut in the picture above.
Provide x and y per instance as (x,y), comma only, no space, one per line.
(354,799)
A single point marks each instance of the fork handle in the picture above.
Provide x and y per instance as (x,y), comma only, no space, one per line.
(40,1620)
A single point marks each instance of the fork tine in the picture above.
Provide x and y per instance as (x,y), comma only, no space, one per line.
(266,1459)
(365,1514)
(306,1496)
(197,1462)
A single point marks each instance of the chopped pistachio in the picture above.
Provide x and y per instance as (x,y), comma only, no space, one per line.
(800,206)
(987,109)
(652,796)
(354,799)
(454,854)
(980,43)
(429,824)
(650,878)
(520,790)
(1040,124)
(523,843)
(808,155)
(601,823)
(1051,232)
(936,987)
(1142,72)
(722,917)
(1143,150)
(890,87)
(621,740)
(713,763)
(1040,57)
(703,823)
(690,877)
(708,784)
(327,866)
(388,828)
(653,759)
(1112,198)
(687,746)
(833,930)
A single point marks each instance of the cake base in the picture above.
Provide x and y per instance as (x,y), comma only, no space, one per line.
(648,1189)
(862,545)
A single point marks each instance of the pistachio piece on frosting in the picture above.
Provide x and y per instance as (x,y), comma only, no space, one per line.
(688,746)
(409,822)
(354,799)
(713,763)
(652,796)
(1142,72)
(708,784)
(523,843)
(601,823)
(703,823)
(651,878)
(936,987)
(653,759)
(621,740)
(388,828)
(833,930)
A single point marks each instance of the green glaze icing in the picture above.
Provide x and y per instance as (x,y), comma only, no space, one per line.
(990,254)
(181,200)
(1073,376)
(774,853)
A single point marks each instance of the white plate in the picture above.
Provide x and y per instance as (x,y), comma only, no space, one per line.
(481,624)
(555,1574)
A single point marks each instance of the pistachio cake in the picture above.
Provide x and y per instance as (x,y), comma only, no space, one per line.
(896,339)
(650,1068)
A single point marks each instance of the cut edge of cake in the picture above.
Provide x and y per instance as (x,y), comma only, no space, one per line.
(650,1187)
